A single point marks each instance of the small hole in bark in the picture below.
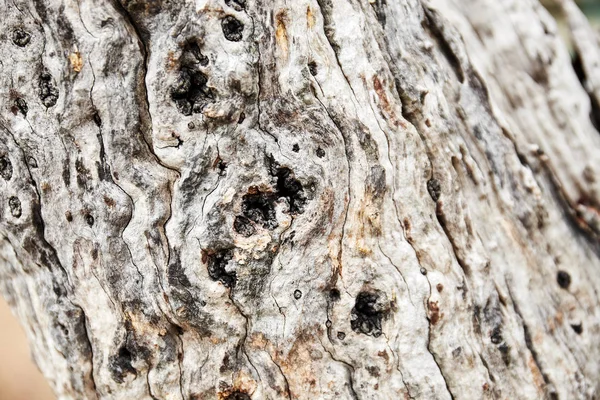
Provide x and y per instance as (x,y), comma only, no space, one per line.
(320,152)
(297,294)
(563,279)
(232,28)
(15,206)
(496,336)
(260,208)
(242,118)
(89,219)
(578,328)
(423,271)
(6,169)
(21,37)
(22,105)
(192,55)
(48,91)
(238,5)
(237,395)
(434,189)
(120,364)
(368,313)
(191,126)
(439,287)
(290,188)
(334,294)
(190,92)
(217,267)
(295,148)
(341,335)
(312,67)
(328,323)
(243,226)
(69,216)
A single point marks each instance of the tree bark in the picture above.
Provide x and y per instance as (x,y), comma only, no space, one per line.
(315,199)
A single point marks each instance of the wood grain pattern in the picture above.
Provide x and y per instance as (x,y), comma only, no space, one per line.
(318,199)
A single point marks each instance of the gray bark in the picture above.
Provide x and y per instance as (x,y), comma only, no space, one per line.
(315,199)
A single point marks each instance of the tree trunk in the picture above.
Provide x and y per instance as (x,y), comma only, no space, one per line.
(308,199)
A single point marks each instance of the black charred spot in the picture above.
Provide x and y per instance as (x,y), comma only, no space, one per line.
(379,7)
(6,169)
(434,189)
(320,152)
(232,28)
(334,294)
(89,219)
(373,371)
(312,67)
(577,328)
(496,336)
(238,5)
(243,226)
(456,352)
(226,365)
(217,267)
(15,206)
(222,165)
(563,279)
(290,188)
(175,275)
(83,174)
(69,216)
(368,313)
(238,395)
(190,92)
(505,351)
(192,55)
(259,207)
(120,364)
(297,294)
(97,119)
(295,148)
(341,335)
(581,75)
(22,105)
(21,37)
(48,91)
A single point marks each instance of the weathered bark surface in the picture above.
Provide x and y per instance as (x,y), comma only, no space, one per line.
(332,199)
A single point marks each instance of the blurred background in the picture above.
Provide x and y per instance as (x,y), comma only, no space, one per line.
(20,378)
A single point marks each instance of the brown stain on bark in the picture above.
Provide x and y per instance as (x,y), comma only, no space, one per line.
(297,363)
(538,378)
(310,18)
(385,105)
(76,61)
(171,61)
(434,312)
(281,35)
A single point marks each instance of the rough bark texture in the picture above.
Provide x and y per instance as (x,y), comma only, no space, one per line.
(308,199)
